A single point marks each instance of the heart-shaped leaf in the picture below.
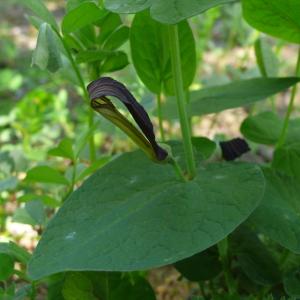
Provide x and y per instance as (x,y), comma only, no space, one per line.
(134,214)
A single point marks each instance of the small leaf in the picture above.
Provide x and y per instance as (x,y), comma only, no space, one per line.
(64,149)
(36,211)
(89,56)
(108,25)
(266,15)
(236,94)
(15,251)
(22,216)
(137,224)
(117,39)
(39,9)
(99,163)
(45,174)
(6,266)
(278,214)
(47,54)
(201,266)
(114,62)
(204,145)
(8,184)
(81,16)
(46,200)
(265,128)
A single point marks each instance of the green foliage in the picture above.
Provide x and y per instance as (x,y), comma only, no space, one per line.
(292,283)
(277,215)
(155,70)
(266,59)
(168,11)
(45,174)
(201,266)
(231,227)
(236,94)
(47,54)
(267,15)
(254,258)
(265,128)
(139,195)
(287,160)
(81,16)
(38,8)
(6,266)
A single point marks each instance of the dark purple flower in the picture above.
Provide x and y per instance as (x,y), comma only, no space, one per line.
(104,87)
(234,148)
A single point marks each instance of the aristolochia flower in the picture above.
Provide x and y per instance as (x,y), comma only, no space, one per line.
(104,87)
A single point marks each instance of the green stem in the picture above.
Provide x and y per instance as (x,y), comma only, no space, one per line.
(92,147)
(160,117)
(177,168)
(223,253)
(180,97)
(285,127)
(202,290)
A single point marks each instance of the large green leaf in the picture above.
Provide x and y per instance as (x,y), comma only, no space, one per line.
(265,128)
(287,160)
(278,214)
(81,16)
(254,258)
(135,214)
(167,11)
(38,8)
(155,70)
(47,53)
(280,18)
(236,94)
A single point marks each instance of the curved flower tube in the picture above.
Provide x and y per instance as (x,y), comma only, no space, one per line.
(104,87)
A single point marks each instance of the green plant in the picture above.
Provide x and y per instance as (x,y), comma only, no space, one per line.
(232,227)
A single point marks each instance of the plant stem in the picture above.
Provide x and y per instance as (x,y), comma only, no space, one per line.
(223,253)
(86,98)
(160,117)
(181,103)
(284,131)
